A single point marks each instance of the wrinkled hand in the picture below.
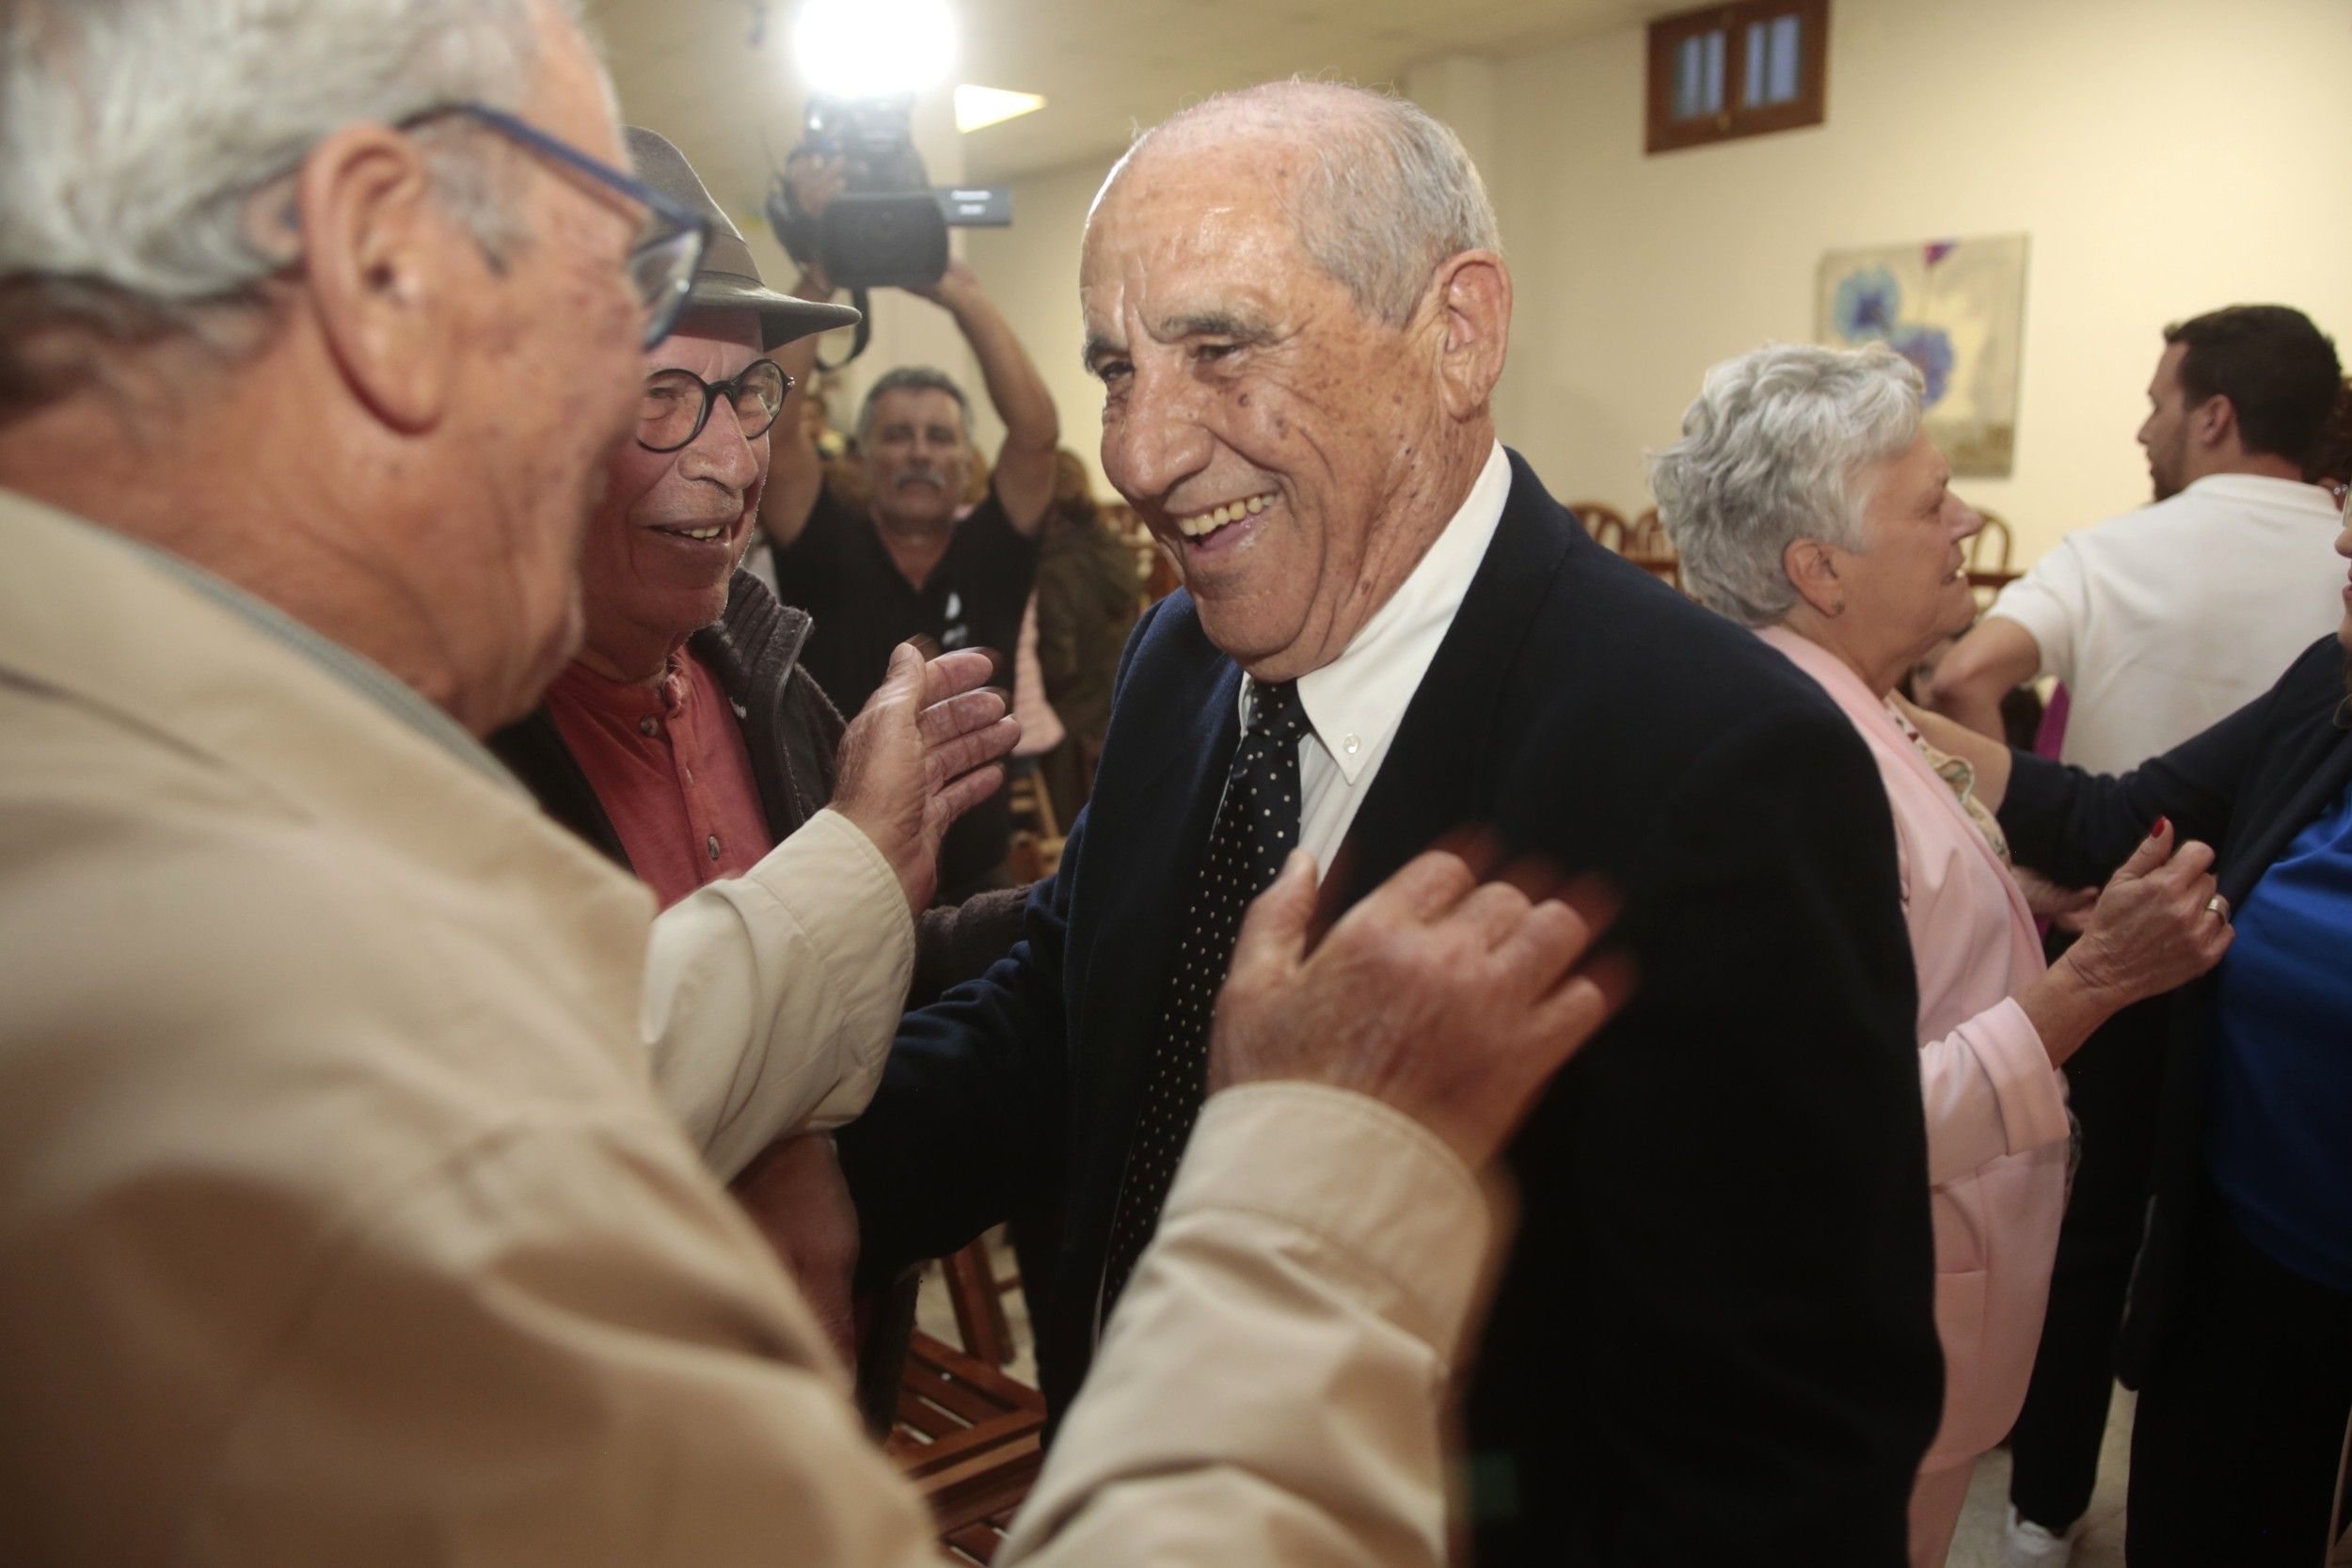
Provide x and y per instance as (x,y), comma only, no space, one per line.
(1451,1000)
(2066,908)
(923,751)
(2152,931)
(796,1194)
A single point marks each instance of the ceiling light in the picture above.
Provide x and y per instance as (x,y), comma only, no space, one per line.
(976,106)
(873,48)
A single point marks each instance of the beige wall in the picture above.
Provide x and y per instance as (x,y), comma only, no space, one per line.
(2165,156)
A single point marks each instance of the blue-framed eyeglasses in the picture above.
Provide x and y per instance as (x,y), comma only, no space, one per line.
(662,265)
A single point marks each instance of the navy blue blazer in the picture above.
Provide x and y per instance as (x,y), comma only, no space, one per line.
(1714,1338)
(2247,786)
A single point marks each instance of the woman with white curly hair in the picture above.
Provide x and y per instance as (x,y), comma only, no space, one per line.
(1809,504)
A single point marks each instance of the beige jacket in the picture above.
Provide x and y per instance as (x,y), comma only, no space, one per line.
(767,1010)
(340,1221)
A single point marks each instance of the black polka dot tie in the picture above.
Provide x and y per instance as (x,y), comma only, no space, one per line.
(1257,828)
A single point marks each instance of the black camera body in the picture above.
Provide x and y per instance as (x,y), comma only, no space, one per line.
(886,228)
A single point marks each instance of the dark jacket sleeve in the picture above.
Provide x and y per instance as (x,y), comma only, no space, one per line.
(1756,1297)
(2076,827)
(967,1124)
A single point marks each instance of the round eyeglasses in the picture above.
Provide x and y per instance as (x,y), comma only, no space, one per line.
(676,404)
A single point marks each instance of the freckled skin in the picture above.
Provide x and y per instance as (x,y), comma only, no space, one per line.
(1234,367)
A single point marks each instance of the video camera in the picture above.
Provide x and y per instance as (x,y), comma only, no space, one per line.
(888,229)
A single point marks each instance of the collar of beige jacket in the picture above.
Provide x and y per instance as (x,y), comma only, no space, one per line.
(87,613)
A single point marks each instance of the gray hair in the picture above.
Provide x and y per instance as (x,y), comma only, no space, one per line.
(912,378)
(1772,453)
(135,133)
(1391,191)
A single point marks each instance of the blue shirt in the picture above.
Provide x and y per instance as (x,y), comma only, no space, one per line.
(2282,1132)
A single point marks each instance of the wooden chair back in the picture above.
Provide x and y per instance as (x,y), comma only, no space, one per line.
(1649,547)
(1988,550)
(968,1436)
(1605,523)
(972,1440)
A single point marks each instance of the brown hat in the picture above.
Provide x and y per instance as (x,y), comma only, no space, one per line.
(728,277)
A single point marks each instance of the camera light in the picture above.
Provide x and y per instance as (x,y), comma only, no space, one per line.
(976,106)
(874,48)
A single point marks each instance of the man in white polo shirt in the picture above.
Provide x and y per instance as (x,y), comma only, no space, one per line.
(2166,619)
(2159,621)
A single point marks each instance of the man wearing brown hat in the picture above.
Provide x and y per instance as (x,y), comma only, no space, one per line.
(687,740)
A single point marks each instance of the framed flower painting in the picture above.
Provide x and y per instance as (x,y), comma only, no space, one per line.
(1956,308)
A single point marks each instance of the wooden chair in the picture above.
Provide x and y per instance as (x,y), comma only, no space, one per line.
(1032,802)
(978,1298)
(1155,569)
(970,1437)
(1989,570)
(1988,551)
(972,1441)
(1604,522)
(1649,547)
(1032,857)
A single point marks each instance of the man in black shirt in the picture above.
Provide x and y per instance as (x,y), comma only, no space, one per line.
(903,564)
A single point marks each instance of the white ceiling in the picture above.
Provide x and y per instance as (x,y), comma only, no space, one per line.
(690,69)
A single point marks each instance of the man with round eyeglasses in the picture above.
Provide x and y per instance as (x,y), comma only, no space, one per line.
(687,738)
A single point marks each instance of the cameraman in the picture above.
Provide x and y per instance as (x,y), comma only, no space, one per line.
(902,564)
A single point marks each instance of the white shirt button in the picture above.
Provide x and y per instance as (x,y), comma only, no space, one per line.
(1351,744)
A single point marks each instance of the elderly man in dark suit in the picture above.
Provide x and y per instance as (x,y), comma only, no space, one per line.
(1713,1342)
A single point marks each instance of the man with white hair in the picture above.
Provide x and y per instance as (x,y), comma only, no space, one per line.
(340,1221)
(1714,1340)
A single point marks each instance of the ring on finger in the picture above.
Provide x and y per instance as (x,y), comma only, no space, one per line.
(2220,905)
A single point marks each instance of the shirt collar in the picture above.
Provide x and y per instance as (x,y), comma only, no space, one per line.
(623,699)
(1354,701)
(2260,487)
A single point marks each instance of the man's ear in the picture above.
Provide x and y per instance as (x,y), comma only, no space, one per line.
(1812,569)
(385,262)
(1472,292)
(2214,421)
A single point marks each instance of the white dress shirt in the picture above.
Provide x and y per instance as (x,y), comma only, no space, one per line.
(2171,618)
(1355,703)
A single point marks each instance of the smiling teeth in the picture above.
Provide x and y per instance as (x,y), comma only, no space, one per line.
(703,533)
(1201,524)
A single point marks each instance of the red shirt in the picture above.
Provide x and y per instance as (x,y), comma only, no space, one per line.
(668,765)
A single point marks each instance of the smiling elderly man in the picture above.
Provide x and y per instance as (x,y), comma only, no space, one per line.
(340,1221)
(1714,1340)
